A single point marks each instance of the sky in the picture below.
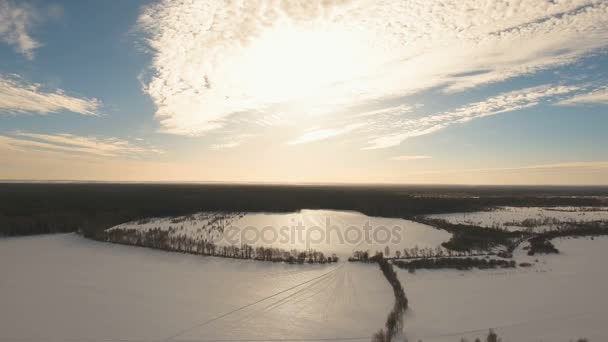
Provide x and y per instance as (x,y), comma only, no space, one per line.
(311,91)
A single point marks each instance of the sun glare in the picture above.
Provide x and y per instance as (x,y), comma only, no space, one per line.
(299,66)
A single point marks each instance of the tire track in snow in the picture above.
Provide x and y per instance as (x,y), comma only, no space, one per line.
(294,295)
(291,297)
(183,331)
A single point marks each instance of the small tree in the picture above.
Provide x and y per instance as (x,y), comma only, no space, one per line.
(380,336)
(492,337)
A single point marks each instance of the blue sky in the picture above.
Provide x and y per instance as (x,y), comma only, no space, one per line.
(400,92)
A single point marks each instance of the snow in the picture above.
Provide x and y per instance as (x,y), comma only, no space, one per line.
(65,287)
(561,298)
(328,231)
(510,218)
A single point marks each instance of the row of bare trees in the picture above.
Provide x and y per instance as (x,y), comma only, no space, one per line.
(417,253)
(162,239)
(394,321)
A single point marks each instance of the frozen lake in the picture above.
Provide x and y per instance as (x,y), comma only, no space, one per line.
(328,231)
(65,287)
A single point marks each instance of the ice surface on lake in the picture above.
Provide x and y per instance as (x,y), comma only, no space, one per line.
(562,298)
(328,231)
(514,218)
(65,287)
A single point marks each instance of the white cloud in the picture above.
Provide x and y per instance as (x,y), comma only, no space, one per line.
(408,158)
(324,133)
(16,19)
(232,141)
(215,59)
(18,96)
(72,144)
(597,96)
(387,112)
(397,131)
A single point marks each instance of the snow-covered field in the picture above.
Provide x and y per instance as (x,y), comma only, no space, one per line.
(339,232)
(515,218)
(67,288)
(562,298)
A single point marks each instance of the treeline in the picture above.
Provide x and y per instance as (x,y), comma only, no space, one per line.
(541,242)
(44,223)
(418,253)
(394,321)
(467,238)
(453,263)
(535,222)
(33,208)
(470,238)
(162,239)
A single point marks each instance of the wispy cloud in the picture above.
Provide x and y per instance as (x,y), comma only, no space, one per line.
(398,131)
(597,96)
(397,110)
(75,145)
(212,60)
(325,133)
(408,158)
(15,21)
(232,141)
(18,97)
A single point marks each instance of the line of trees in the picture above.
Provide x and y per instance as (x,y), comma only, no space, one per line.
(394,321)
(423,253)
(471,238)
(453,263)
(541,242)
(162,239)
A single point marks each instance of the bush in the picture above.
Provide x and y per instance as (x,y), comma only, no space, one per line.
(540,244)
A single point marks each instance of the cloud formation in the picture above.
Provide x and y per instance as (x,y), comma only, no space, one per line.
(213,59)
(70,144)
(597,96)
(393,133)
(19,97)
(16,19)
(318,134)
